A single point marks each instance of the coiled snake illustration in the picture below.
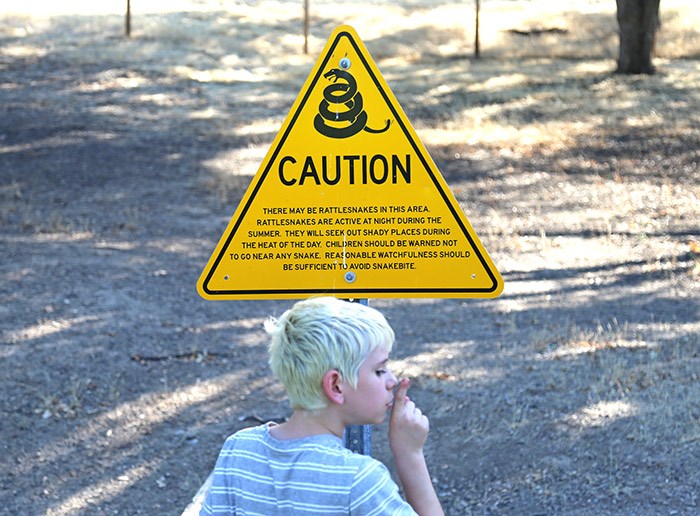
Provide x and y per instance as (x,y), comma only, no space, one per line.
(345,94)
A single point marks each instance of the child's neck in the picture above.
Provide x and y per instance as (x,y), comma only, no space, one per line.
(303,423)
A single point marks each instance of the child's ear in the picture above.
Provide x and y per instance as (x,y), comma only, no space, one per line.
(332,387)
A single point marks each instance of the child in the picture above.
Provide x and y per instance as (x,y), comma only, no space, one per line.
(331,356)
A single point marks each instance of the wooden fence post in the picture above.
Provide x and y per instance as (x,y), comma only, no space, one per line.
(127,21)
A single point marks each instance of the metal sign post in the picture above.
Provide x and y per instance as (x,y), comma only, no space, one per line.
(358,438)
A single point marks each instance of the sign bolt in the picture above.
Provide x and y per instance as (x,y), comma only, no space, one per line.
(345,63)
(350,276)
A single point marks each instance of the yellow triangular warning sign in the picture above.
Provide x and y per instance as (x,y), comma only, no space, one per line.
(347,202)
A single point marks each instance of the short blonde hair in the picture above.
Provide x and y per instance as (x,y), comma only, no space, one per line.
(321,334)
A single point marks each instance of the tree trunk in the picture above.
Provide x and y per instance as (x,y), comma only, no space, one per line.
(638,21)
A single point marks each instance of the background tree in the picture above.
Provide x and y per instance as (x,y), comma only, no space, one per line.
(638,21)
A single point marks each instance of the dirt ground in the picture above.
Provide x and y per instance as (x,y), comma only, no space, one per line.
(577,391)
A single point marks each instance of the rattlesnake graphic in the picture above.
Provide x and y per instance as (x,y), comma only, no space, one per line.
(346,94)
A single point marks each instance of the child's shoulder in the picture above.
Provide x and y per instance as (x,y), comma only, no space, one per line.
(253,432)
(325,447)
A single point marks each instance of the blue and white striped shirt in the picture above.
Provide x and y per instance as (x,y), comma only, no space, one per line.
(257,474)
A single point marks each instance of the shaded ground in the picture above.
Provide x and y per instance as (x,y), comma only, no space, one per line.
(121,162)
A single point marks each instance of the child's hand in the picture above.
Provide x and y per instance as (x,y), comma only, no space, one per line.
(408,430)
(408,427)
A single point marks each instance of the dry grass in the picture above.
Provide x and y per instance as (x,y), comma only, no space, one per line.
(590,27)
(199,47)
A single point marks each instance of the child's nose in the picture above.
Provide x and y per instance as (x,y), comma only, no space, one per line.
(391,381)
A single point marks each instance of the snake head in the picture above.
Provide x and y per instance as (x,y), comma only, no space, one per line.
(332,74)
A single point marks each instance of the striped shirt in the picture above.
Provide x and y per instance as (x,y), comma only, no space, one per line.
(257,474)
